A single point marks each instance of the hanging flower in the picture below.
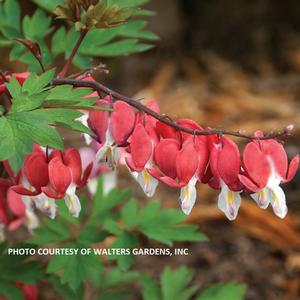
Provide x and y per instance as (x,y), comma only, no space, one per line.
(45,180)
(34,178)
(178,167)
(141,149)
(13,211)
(112,130)
(266,167)
(225,168)
(65,176)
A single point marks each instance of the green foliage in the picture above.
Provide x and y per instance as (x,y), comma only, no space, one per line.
(164,225)
(65,291)
(53,231)
(14,269)
(124,225)
(176,284)
(122,39)
(231,290)
(76,268)
(31,118)
(35,28)
(115,215)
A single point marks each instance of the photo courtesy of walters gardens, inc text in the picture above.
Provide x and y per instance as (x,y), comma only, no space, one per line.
(99,251)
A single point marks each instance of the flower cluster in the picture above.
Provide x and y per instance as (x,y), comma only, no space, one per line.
(44,178)
(154,151)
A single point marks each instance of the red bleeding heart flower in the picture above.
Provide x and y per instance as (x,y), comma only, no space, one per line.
(225,167)
(45,180)
(35,177)
(112,129)
(142,144)
(65,176)
(13,211)
(266,166)
(178,167)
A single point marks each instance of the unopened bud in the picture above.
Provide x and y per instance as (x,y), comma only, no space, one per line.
(288,130)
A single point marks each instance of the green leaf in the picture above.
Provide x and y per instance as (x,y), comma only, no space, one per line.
(32,94)
(10,19)
(90,235)
(31,125)
(14,88)
(144,13)
(164,225)
(61,117)
(65,291)
(123,47)
(231,290)
(10,291)
(103,204)
(36,84)
(28,273)
(49,5)
(67,92)
(59,228)
(18,268)
(37,26)
(116,277)
(129,213)
(151,290)
(58,41)
(76,268)
(113,227)
(134,29)
(125,240)
(174,284)
(52,231)
(13,144)
(106,41)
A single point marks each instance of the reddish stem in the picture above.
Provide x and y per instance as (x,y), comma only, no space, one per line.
(68,63)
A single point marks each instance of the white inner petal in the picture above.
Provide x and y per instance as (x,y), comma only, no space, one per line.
(278,201)
(229,202)
(147,183)
(72,201)
(188,195)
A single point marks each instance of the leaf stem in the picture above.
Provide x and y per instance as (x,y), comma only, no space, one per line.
(165,119)
(68,63)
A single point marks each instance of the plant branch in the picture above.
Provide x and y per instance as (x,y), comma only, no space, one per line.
(165,119)
(66,67)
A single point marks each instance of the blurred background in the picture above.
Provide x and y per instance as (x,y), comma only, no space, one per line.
(233,64)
